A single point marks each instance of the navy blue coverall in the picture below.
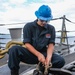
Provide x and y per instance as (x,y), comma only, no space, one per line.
(39,38)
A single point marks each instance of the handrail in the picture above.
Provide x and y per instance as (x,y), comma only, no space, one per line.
(51,20)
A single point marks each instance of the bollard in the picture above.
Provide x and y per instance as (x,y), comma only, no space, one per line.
(15,33)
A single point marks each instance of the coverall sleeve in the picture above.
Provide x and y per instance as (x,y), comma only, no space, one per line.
(52,39)
(27,34)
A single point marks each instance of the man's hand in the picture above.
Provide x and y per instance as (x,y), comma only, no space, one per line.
(47,61)
(50,51)
(41,58)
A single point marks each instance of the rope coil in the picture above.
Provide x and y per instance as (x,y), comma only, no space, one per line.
(9,45)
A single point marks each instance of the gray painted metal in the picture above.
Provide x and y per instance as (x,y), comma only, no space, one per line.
(15,33)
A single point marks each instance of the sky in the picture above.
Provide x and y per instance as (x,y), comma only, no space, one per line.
(22,11)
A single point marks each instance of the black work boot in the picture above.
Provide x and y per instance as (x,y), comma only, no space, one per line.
(14,72)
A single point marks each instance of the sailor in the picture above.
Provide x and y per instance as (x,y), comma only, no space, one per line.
(39,41)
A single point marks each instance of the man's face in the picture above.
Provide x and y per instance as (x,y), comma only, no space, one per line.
(42,22)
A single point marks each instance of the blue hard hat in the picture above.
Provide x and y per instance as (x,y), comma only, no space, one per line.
(44,13)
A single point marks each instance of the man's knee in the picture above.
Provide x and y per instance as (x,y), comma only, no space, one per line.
(62,62)
(13,49)
(58,61)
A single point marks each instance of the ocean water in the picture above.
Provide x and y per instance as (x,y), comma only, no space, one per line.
(6,38)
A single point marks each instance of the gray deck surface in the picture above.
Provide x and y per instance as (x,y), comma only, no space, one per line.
(69,58)
(4,70)
(4,60)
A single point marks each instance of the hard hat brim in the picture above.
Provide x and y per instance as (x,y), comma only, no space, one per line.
(43,18)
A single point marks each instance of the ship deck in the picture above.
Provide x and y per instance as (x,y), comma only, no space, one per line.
(26,69)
